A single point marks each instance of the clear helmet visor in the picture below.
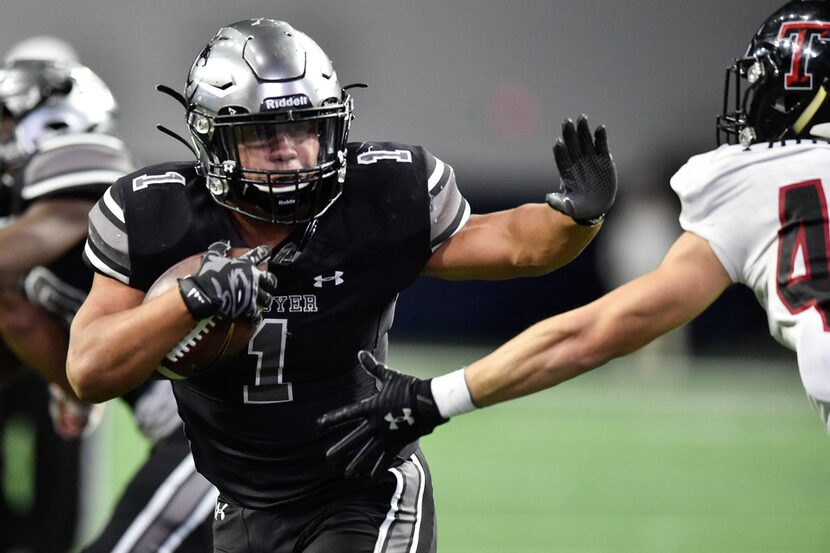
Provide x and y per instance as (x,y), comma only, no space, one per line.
(278,170)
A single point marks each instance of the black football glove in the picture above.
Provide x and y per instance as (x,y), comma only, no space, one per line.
(588,184)
(401,412)
(228,286)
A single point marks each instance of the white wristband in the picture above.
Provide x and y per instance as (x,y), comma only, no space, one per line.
(451,394)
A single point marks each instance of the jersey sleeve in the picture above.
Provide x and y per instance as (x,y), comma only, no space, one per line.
(75,165)
(705,213)
(448,209)
(107,245)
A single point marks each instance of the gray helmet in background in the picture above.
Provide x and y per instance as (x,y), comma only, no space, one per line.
(43,48)
(261,74)
(46,92)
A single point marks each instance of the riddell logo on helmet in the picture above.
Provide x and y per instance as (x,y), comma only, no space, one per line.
(293,101)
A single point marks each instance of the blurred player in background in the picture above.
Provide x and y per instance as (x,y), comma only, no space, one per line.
(350,225)
(58,157)
(754,212)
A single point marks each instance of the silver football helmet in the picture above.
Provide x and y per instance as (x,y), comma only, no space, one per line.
(262,80)
(45,91)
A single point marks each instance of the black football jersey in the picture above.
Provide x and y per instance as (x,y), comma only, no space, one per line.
(71,166)
(252,422)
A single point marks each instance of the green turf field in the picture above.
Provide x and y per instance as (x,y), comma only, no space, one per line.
(645,455)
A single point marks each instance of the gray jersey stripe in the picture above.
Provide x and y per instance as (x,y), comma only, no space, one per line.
(460,217)
(111,206)
(448,177)
(101,264)
(402,533)
(114,258)
(446,205)
(109,240)
(111,229)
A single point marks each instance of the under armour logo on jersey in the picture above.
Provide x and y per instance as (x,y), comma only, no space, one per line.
(219,511)
(336,278)
(395,421)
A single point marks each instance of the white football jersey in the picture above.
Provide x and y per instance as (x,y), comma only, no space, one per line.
(763,211)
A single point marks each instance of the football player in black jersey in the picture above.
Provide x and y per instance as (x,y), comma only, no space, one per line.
(349,226)
(58,157)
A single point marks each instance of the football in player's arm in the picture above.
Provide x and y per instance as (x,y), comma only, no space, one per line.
(754,213)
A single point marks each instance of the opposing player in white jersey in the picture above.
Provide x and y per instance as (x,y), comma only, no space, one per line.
(754,213)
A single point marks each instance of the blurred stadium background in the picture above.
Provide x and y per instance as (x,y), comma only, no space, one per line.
(704,442)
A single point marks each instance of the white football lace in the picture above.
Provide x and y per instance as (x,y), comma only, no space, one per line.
(190,339)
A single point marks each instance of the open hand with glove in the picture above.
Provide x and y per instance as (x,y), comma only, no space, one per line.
(588,177)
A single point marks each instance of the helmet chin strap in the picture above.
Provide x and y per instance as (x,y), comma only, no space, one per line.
(810,111)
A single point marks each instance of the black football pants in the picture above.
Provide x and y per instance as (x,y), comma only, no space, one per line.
(395,514)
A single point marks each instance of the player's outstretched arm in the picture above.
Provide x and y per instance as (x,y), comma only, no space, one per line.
(688,280)
(535,239)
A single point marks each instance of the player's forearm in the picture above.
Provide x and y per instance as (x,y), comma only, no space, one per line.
(529,240)
(543,239)
(544,355)
(564,346)
(112,354)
